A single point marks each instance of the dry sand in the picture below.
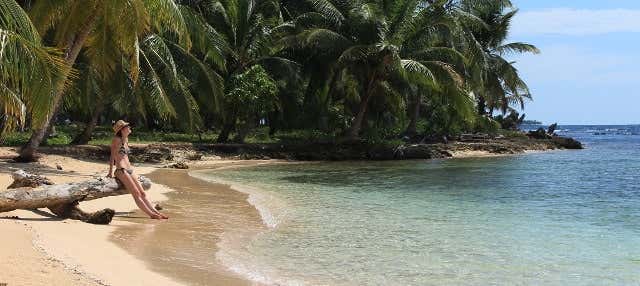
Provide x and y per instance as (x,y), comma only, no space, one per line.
(40,249)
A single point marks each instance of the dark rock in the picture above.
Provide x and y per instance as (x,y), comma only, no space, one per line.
(539,134)
(158,207)
(567,143)
(179,165)
(552,128)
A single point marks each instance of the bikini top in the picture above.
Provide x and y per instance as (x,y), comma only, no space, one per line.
(124,150)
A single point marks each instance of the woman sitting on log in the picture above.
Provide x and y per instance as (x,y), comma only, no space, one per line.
(124,171)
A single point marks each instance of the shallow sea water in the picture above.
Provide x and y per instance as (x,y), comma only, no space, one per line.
(552,218)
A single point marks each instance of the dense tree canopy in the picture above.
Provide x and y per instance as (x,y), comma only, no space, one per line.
(358,69)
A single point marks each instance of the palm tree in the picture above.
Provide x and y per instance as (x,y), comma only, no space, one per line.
(28,69)
(373,40)
(170,84)
(234,37)
(98,27)
(500,86)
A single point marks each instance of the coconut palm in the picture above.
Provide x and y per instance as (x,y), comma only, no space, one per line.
(164,90)
(106,31)
(373,40)
(28,69)
(234,37)
(500,87)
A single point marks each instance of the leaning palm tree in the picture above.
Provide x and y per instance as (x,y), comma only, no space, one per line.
(169,81)
(87,25)
(28,69)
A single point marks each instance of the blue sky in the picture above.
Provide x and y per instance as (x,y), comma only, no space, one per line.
(589,68)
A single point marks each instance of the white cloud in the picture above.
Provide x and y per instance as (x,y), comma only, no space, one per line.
(576,22)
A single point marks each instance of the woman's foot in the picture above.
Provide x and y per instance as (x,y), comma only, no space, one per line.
(156,216)
(161,216)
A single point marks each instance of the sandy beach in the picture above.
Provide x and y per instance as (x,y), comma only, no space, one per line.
(40,248)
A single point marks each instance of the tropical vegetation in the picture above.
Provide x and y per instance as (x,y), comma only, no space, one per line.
(226,69)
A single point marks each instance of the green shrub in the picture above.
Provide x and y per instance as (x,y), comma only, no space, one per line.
(486,125)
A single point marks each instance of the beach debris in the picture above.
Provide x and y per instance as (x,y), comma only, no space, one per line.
(158,207)
(58,166)
(23,179)
(63,199)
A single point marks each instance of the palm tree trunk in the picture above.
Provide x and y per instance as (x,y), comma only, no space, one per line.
(312,106)
(356,125)
(354,130)
(85,136)
(51,131)
(482,106)
(414,113)
(27,154)
(244,130)
(223,137)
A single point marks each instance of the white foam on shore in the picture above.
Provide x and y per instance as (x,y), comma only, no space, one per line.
(233,248)
(270,208)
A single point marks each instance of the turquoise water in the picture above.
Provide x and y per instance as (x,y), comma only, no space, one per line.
(554,218)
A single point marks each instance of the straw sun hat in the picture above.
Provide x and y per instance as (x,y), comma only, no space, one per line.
(119,125)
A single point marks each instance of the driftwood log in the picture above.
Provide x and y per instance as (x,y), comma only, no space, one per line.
(32,192)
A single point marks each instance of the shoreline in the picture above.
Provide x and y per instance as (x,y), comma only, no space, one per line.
(91,263)
(70,252)
(181,250)
(158,153)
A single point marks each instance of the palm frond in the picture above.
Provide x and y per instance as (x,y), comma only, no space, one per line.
(519,48)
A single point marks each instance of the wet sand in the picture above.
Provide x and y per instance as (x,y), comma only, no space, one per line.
(200,214)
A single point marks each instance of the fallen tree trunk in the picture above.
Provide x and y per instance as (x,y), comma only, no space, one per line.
(63,199)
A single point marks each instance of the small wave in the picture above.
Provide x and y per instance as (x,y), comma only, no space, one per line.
(233,248)
(259,201)
(264,203)
(245,266)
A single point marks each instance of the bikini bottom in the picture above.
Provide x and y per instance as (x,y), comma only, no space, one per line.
(130,171)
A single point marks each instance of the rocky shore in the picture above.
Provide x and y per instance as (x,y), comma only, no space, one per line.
(178,152)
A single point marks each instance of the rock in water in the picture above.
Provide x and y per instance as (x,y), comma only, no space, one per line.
(567,143)
(552,128)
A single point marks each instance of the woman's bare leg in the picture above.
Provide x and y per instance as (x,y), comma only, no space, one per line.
(143,196)
(137,197)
